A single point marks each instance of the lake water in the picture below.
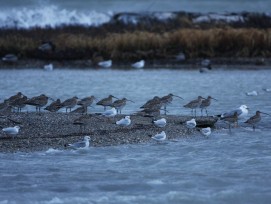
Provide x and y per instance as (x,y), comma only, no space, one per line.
(224,168)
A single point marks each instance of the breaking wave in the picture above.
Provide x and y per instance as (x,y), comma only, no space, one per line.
(50,16)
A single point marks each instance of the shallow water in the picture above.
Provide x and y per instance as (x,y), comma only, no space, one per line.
(224,168)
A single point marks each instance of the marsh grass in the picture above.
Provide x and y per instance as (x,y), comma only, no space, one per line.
(127,43)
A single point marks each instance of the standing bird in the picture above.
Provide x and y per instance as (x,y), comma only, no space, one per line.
(154,100)
(206,131)
(110,113)
(105,64)
(86,101)
(242,112)
(206,103)
(38,101)
(138,65)
(159,137)
(48,67)
(80,144)
(69,103)
(15,97)
(19,103)
(190,124)
(160,123)
(81,109)
(83,120)
(119,104)
(193,105)
(165,100)
(54,106)
(231,119)
(255,119)
(124,121)
(11,131)
(106,101)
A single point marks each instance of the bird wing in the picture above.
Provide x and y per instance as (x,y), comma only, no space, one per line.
(80,144)
(231,113)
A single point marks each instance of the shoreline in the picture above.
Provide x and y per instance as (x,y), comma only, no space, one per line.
(41,131)
(191,64)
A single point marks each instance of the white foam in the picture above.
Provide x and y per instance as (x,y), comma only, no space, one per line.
(50,16)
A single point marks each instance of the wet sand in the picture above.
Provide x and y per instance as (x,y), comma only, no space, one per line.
(41,131)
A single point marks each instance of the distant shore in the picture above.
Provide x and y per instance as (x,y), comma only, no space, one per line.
(163,40)
(192,64)
(54,130)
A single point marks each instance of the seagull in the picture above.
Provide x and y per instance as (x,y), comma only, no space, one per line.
(47,46)
(160,123)
(252,93)
(105,64)
(206,131)
(48,67)
(160,136)
(255,119)
(110,113)
(124,121)
(138,65)
(190,124)
(11,131)
(80,144)
(10,58)
(242,112)
(267,89)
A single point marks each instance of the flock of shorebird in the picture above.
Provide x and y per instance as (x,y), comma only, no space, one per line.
(152,108)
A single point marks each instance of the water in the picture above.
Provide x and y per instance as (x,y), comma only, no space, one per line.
(224,168)
(31,13)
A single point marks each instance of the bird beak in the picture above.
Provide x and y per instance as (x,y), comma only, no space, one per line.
(115,97)
(265,113)
(178,96)
(130,101)
(51,99)
(214,99)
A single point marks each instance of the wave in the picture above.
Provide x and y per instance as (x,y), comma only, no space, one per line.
(50,16)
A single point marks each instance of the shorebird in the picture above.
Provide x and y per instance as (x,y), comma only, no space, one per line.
(15,97)
(47,46)
(11,131)
(4,105)
(206,131)
(124,121)
(19,103)
(160,123)
(190,124)
(81,109)
(206,103)
(149,112)
(83,120)
(255,119)
(231,119)
(10,58)
(69,103)
(110,113)
(138,65)
(160,136)
(38,101)
(48,67)
(106,101)
(105,64)
(119,104)
(193,105)
(154,100)
(165,100)
(54,106)
(87,101)
(80,144)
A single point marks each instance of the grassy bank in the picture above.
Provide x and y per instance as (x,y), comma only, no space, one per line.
(150,40)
